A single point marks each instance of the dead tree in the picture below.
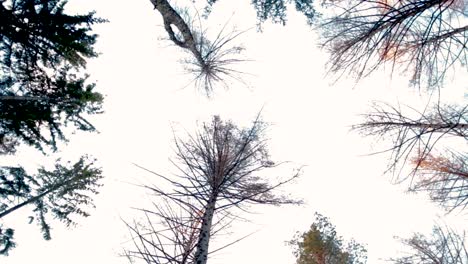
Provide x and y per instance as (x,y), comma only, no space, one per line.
(219,171)
(212,61)
(424,37)
(419,141)
(444,247)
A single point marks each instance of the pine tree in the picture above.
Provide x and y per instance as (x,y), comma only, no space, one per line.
(43,51)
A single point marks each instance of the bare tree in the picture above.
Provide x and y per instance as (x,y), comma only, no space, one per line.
(424,37)
(211,60)
(418,139)
(444,247)
(219,171)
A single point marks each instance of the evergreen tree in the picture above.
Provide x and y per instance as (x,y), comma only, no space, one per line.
(42,88)
(60,193)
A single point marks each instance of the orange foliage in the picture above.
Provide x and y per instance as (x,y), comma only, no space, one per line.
(189,232)
(393,52)
(389,53)
(440,164)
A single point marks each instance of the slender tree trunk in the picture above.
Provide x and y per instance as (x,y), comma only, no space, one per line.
(201,254)
(35,98)
(22,98)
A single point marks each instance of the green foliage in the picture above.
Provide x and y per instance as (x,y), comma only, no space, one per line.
(6,240)
(60,193)
(61,100)
(13,184)
(72,186)
(322,245)
(39,33)
(275,10)
(42,51)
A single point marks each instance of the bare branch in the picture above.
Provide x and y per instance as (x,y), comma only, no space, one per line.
(425,38)
(415,141)
(445,178)
(444,247)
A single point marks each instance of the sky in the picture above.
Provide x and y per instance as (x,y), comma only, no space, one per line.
(148,95)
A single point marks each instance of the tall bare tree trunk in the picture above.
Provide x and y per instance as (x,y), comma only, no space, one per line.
(201,254)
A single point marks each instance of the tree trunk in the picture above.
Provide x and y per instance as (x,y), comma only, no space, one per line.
(201,254)
(171,17)
(22,98)
(435,126)
(36,98)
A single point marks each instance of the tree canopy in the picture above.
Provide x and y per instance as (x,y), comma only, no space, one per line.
(424,38)
(44,88)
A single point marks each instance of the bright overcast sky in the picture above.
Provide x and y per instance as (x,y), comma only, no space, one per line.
(147,93)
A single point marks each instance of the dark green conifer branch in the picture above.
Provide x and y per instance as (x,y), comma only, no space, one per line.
(60,193)
(43,51)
